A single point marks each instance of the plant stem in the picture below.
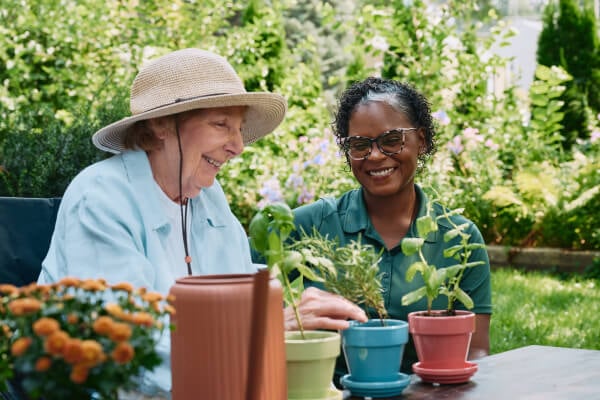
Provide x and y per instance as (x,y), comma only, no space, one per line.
(288,286)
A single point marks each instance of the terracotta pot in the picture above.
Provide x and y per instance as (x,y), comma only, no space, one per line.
(442,341)
(223,347)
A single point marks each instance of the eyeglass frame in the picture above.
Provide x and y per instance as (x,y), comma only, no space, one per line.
(376,140)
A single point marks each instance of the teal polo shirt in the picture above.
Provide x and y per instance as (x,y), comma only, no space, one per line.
(346,218)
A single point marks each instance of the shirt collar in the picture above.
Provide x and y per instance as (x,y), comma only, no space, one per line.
(357,219)
(139,174)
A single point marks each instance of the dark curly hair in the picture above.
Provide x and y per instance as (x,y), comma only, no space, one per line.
(399,95)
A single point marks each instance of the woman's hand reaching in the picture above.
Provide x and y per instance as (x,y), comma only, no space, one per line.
(323,310)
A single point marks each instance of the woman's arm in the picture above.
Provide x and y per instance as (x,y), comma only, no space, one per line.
(480,341)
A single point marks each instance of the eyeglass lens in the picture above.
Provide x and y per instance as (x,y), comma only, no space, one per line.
(389,143)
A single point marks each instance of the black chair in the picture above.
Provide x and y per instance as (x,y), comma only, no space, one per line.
(26,226)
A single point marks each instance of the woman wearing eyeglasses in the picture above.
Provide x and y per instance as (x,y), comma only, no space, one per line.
(385,130)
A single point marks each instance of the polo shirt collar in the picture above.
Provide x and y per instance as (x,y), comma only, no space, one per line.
(357,220)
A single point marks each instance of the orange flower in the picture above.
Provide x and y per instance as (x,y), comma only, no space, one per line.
(43,364)
(120,332)
(24,306)
(55,343)
(127,287)
(169,309)
(93,354)
(122,353)
(72,319)
(93,285)
(8,289)
(103,325)
(5,331)
(171,298)
(72,351)
(151,297)
(143,319)
(115,310)
(79,373)
(45,326)
(28,289)
(155,305)
(44,289)
(68,281)
(20,346)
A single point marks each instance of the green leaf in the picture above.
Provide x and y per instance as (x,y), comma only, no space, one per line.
(464,298)
(258,232)
(452,251)
(453,270)
(308,273)
(436,279)
(415,267)
(425,225)
(414,296)
(411,246)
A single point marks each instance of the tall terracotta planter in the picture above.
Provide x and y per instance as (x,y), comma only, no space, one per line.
(220,339)
(310,365)
(442,345)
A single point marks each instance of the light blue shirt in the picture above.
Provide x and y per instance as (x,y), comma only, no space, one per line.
(111,225)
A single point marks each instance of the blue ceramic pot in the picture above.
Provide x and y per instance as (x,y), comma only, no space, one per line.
(374,351)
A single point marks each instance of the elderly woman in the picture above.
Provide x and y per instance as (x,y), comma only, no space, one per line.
(154,212)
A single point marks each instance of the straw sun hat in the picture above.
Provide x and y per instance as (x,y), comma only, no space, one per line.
(189,79)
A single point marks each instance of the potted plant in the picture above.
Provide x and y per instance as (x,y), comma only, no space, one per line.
(441,337)
(373,350)
(310,355)
(63,341)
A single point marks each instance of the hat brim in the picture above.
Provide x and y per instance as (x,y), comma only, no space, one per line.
(265,112)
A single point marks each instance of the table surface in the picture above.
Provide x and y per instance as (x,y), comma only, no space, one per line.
(531,373)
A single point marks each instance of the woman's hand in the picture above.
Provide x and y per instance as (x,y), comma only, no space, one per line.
(323,310)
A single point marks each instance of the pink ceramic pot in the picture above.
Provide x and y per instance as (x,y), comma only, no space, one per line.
(442,341)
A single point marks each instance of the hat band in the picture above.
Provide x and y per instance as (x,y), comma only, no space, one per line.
(180,99)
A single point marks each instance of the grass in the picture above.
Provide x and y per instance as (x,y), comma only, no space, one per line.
(540,308)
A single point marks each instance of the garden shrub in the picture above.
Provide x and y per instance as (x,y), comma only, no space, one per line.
(499,153)
(569,39)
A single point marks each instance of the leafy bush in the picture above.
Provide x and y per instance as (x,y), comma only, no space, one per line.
(500,154)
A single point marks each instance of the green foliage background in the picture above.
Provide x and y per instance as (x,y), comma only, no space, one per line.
(570,39)
(66,67)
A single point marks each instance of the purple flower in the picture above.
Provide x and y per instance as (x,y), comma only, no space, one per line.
(442,117)
(271,192)
(491,144)
(305,197)
(595,135)
(295,181)
(455,145)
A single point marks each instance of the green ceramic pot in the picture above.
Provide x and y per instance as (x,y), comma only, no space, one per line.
(310,364)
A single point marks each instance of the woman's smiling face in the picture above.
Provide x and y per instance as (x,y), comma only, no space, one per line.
(379,174)
(209,138)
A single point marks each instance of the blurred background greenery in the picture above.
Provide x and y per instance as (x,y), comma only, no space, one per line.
(524,162)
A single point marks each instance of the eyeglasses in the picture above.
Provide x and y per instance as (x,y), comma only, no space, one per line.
(389,143)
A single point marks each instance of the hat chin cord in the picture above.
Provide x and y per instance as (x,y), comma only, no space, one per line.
(183,203)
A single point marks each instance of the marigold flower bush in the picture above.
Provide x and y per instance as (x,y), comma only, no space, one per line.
(78,338)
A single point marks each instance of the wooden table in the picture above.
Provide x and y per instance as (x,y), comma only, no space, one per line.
(531,373)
